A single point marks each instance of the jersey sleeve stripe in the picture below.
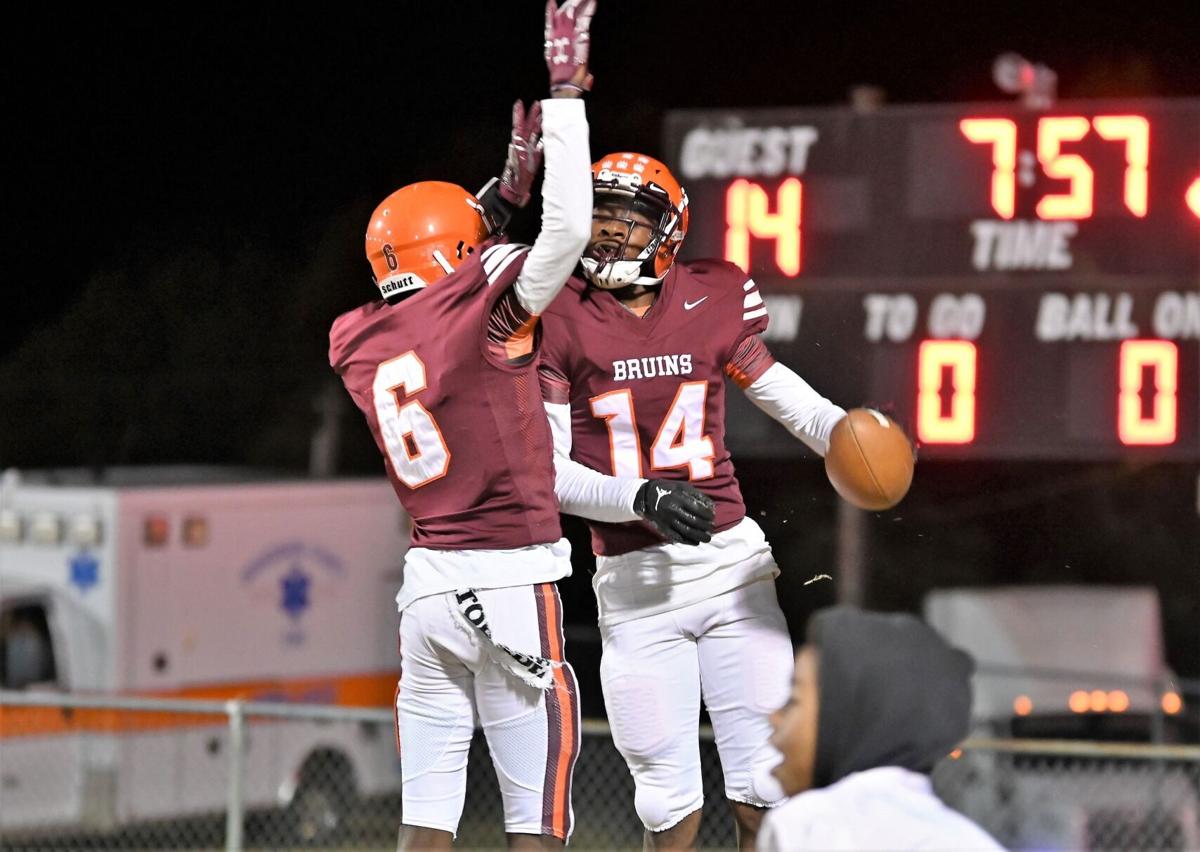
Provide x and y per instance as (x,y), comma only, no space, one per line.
(759,312)
(502,248)
(493,256)
(738,375)
(752,300)
(503,265)
(749,285)
(496,256)
(489,253)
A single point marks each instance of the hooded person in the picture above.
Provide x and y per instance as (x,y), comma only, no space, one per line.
(877,700)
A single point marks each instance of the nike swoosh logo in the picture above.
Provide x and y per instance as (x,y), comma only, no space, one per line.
(687,306)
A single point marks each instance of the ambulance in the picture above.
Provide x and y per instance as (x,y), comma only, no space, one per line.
(200,584)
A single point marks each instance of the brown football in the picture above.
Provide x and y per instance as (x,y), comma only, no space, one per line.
(870,460)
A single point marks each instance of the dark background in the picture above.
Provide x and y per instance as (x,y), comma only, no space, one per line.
(186,194)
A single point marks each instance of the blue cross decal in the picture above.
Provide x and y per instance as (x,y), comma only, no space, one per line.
(294,586)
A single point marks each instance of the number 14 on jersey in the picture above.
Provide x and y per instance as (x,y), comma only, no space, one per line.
(681,441)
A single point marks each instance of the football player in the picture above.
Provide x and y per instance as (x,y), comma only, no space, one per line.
(634,362)
(443,369)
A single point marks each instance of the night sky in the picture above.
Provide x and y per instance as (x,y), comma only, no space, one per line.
(202,127)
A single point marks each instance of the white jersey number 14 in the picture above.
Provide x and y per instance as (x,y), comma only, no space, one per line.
(680,441)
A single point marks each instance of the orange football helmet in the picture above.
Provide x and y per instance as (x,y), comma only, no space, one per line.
(646,187)
(420,233)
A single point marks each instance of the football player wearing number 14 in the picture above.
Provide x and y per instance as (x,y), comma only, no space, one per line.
(633,367)
(444,369)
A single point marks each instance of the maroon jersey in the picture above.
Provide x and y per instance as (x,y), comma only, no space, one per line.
(647,394)
(463,430)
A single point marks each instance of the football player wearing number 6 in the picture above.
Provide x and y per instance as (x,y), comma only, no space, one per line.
(634,362)
(443,368)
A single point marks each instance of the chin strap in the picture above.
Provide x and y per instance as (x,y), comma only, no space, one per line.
(614,275)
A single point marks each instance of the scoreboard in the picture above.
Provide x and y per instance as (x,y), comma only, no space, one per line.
(1007,283)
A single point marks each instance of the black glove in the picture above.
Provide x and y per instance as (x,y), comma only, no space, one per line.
(678,511)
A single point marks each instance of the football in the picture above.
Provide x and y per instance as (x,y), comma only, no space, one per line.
(870,460)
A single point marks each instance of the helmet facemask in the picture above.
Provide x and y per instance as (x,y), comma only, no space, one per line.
(624,219)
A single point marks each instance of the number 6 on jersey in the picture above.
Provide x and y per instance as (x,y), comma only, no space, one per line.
(413,440)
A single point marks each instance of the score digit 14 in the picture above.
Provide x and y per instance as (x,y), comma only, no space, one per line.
(946,400)
(747,214)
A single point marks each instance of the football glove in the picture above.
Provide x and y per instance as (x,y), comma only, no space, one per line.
(568,42)
(524,154)
(680,512)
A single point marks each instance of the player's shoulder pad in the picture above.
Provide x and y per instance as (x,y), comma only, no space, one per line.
(725,278)
(574,292)
(729,284)
(498,258)
(344,333)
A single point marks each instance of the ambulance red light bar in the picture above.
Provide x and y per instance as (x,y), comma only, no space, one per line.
(156,531)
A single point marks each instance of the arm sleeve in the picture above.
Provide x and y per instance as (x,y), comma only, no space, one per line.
(582,491)
(786,397)
(566,205)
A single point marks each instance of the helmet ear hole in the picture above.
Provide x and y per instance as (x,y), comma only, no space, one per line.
(458,251)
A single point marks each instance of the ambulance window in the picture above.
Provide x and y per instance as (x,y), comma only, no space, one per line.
(26,654)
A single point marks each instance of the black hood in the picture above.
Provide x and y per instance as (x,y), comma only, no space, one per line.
(892,693)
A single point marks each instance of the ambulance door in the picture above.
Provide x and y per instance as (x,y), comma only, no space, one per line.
(41,766)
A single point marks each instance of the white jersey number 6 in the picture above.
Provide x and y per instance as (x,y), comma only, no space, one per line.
(413,440)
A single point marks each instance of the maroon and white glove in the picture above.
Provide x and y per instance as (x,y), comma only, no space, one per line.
(567,44)
(524,154)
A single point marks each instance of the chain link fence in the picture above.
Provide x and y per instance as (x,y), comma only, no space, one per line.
(89,773)
(1032,794)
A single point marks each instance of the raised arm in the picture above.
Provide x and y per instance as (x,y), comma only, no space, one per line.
(567,188)
(556,129)
(503,196)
